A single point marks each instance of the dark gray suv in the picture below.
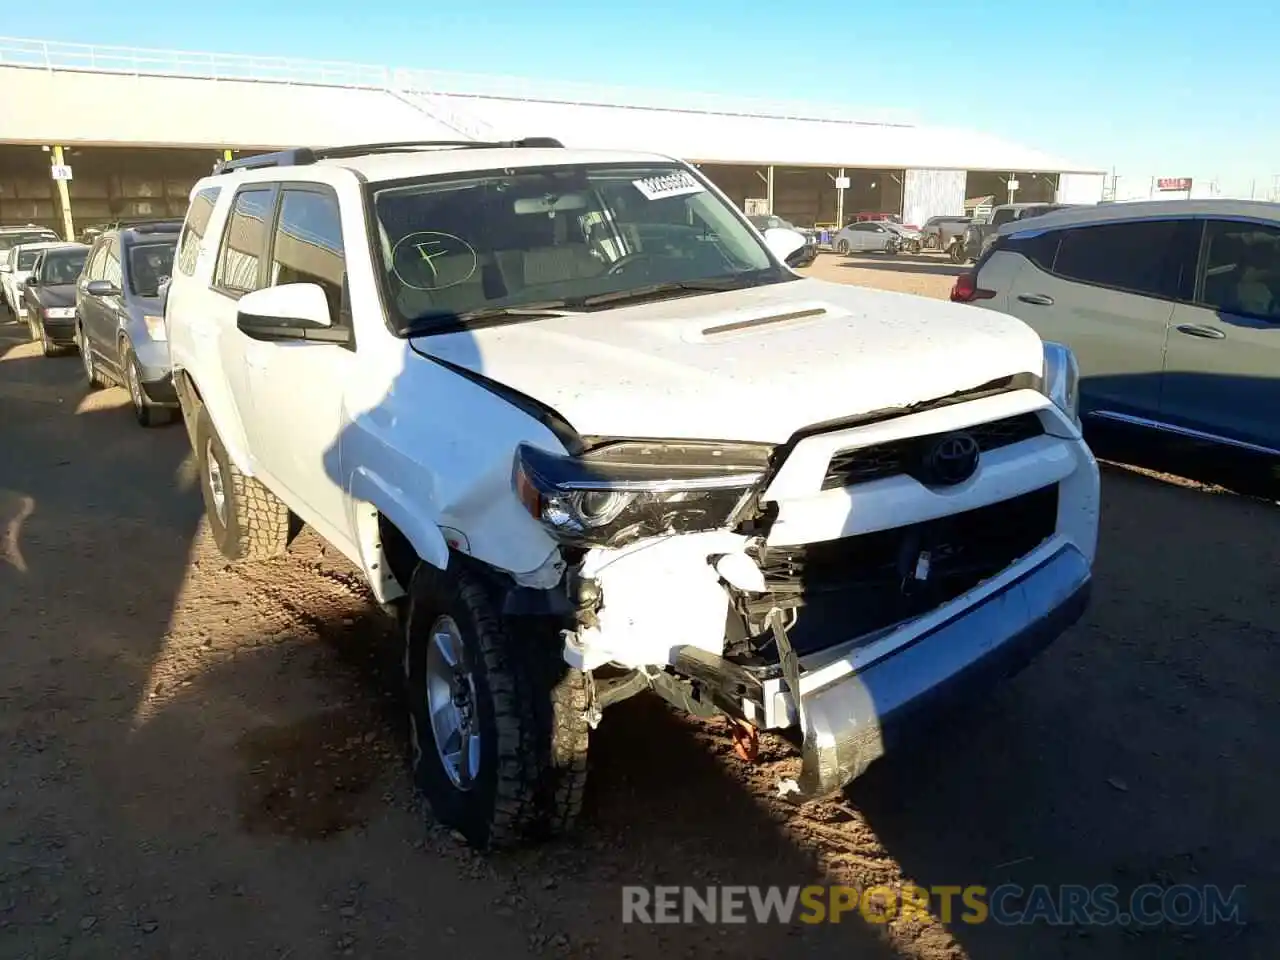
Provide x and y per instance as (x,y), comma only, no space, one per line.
(120,316)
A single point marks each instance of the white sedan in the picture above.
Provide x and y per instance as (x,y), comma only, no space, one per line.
(871,236)
(14,271)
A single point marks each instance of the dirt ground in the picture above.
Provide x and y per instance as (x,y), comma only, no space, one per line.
(200,760)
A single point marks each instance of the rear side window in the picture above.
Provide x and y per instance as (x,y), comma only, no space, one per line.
(194,228)
(1137,257)
(244,241)
(1039,248)
(308,244)
(1002,216)
(1241,269)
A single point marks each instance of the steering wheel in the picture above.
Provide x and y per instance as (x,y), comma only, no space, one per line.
(623,263)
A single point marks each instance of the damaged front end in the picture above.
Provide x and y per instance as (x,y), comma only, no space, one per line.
(828,586)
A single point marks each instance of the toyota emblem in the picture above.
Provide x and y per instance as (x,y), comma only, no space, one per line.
(951,459)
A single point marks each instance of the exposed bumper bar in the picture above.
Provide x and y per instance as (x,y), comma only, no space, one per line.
(848,721)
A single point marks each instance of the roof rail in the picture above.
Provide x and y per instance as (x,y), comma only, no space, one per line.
(302,156)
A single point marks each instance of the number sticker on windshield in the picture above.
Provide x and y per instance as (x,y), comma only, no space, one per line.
(676,184)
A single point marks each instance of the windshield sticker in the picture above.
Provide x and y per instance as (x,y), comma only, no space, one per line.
(676,184)
(431,260)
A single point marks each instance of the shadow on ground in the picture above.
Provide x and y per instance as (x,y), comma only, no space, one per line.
(904,263)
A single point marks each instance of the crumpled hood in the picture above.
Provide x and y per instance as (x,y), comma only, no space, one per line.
(57,295)
(751,365)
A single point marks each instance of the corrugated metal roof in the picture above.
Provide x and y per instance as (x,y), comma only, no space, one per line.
(716,137)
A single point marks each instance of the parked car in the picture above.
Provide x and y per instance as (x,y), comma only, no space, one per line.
(120,318)
(14,270)
(981,230)
(13,236)
(868,236)
(1173,308)
(909,239)
(50,296)
(937,232)
(455,365)
(809,251)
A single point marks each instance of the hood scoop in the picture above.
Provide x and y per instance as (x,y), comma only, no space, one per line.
(741,323)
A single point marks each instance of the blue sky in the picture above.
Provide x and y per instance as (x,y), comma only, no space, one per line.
(1156,89)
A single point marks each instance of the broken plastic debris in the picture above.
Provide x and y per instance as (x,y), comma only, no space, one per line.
(787,786)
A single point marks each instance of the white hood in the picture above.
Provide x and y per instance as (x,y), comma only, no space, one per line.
(664,370)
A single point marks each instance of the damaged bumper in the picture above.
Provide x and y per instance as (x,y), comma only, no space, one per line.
(851,708)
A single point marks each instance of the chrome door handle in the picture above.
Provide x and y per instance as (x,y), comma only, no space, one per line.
(1196,330)
(1039,299)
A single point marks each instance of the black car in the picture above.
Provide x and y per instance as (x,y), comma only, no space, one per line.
(50,296)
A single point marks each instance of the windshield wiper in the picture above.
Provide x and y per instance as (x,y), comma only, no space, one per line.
(657,291)
(451,321)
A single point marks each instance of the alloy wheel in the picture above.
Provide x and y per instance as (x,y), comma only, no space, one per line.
(451,704)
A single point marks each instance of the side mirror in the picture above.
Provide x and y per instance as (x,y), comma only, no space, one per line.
(5,268)
(783,242)
(101,288)
(33,280)
(291,311)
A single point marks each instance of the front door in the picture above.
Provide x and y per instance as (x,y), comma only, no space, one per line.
(1222,366)
(296,387)
(102,314)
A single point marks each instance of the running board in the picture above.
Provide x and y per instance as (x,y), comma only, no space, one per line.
(1188,432)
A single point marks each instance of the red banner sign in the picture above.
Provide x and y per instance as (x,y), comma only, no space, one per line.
(1174,183)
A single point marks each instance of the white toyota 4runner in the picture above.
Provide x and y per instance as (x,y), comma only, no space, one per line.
(583,428)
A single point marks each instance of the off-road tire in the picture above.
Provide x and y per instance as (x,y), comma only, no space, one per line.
(257,524)
(530,707)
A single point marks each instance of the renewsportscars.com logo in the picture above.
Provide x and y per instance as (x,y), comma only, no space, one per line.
(1008,904)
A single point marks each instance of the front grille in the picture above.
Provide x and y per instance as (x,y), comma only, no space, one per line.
(856,585)
(906,456)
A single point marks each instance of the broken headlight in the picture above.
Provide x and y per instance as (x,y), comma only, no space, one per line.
(626,490)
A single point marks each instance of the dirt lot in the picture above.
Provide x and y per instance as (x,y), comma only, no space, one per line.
(202,760)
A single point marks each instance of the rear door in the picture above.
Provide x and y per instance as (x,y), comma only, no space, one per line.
(1107,291)
(1222,365)
(241,268)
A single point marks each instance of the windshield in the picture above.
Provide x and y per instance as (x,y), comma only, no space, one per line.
(557,237)
(27,258)
(62,267)
(150,264)
(10,240)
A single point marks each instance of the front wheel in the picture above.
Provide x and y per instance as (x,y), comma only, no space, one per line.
(842,247)
(47,347)
(144,411)
(497,720)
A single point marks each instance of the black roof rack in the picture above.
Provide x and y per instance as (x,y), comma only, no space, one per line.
(140,224)
(302,156)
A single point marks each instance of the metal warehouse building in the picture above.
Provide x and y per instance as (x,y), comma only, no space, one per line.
(137,127)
